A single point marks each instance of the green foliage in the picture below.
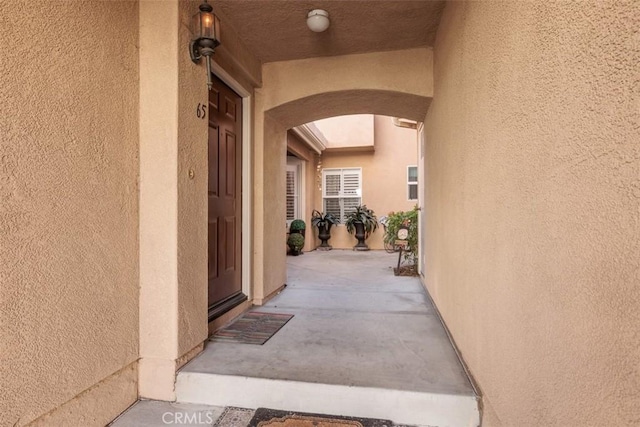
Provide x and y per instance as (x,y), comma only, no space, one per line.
(297,225)
(364,215)
(410,220)
(295,241)
(320,219)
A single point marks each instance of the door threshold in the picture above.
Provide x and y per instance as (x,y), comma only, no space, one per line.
(225,305)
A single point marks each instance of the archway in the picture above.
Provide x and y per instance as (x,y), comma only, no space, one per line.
(395,83)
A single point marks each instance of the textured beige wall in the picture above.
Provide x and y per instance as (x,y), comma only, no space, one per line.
(311,185)
(173,256)
(69,210)
(98,405)
(384,177)
(397,83)
(158,198)
(192,193)
(289,81)
(533,206)
(270,210)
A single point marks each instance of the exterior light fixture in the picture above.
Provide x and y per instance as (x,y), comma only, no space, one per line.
(206,36)
(318,20)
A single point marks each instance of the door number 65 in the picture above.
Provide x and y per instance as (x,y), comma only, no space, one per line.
(201,111)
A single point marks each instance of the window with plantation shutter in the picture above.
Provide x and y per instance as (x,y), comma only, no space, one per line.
(341,191)
(292,193)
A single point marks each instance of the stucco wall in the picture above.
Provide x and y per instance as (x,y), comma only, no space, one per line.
(533,206)
(173,190)
(397,83)
(192,193)
(271,213)
(311,184)
(384,177)
(69,210)
(287,81)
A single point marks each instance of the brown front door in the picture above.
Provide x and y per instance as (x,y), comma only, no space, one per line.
(225,210)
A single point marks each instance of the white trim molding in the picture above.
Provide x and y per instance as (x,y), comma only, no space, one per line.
(405,123)
(312,136)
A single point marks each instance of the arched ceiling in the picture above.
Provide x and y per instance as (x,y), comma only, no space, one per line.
(276,30)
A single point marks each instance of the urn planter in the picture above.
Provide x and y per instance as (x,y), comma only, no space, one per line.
(361,236)
(324,234)
(324,222)
(361,222)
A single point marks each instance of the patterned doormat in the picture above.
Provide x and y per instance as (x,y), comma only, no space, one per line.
(253,328)
(234,417)
(265,417)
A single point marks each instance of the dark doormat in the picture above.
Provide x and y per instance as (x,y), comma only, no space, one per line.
(252,328)
(265,417)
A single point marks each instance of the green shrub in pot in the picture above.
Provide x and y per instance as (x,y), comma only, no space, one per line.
(296,243)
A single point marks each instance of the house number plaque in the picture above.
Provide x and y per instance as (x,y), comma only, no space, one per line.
(201,111)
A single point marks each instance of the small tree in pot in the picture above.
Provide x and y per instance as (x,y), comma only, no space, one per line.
(324,222)
(296,243)
(297,226)
(361,222)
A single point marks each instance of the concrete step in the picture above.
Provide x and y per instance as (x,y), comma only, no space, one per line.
(400,406)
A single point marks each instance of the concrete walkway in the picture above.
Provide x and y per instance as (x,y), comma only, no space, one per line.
(363,342)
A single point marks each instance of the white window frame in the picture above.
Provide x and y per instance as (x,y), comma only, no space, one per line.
(297,167)
(357,193)
(410,183)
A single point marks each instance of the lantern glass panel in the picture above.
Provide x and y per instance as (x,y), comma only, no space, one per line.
(195,26)
(213,30)
(206,25)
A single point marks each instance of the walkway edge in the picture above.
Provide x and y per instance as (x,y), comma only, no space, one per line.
(401,406)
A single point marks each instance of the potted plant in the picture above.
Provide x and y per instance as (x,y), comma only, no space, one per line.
(361,222)
(297,226)
(296,243)
(408,221)
(324,222)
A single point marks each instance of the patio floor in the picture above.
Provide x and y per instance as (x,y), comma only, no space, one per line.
(362,342)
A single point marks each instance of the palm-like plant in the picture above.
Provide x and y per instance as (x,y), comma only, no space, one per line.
(324,222)
(365,216)
(320,219)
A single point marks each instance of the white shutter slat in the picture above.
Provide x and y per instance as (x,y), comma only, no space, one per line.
(332,206)
(291,195)
(350,204)
(291,182)
(351,179)
(332,184)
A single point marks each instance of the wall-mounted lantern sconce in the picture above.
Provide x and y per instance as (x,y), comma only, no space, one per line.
(206,36)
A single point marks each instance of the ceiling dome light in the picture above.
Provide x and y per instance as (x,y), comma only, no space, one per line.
(318,20)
